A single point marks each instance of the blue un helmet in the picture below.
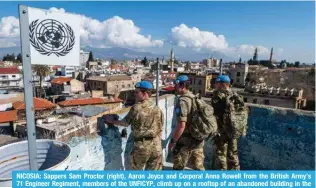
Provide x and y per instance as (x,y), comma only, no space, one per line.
(182,79)
(223,79)
(144,85)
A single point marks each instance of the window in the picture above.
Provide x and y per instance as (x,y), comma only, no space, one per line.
(266,102)
(237,80)
(238,73)
(200,82)
(13,76)
(254,101)
(200,92)
(193,91)
(245,99)
(129,85)
(123,86)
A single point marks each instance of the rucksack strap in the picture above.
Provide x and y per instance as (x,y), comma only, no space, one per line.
(194,103)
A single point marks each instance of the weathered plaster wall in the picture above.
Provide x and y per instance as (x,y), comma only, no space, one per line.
(277,138)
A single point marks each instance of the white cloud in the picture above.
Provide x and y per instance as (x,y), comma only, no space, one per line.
(198,40)
(246,49)
(187,37)
(9,27)
(5,43)
(115,31)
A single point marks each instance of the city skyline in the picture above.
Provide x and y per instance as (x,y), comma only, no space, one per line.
(234,29)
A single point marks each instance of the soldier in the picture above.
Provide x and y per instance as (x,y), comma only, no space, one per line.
(185,146)
(146,120)
(225,145)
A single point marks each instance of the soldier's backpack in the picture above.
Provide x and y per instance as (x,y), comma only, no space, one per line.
(235,117)
(204,123)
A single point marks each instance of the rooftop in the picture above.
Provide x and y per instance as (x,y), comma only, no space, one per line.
(109,78)
(8,116)
(9,70)
(39,104)
(61,80)
(88,101)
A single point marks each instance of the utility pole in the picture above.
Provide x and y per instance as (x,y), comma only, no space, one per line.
(157,82)
(220,67)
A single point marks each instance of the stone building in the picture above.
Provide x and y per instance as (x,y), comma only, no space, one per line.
(238,73)
(280,97)
(113,85)
(64,85)
(201,83)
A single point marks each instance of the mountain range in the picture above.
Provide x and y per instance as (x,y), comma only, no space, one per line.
(127,54)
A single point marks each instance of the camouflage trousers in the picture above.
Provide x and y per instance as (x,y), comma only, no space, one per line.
(186,151)
(146,154)
(225,154)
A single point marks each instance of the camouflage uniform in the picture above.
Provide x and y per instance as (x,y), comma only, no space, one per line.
(225,147)
(146,120)
(187,147)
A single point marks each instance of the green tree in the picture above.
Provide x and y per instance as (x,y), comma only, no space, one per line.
(41,71)
(297,64)
(19,58)
(91,57)
(145,62)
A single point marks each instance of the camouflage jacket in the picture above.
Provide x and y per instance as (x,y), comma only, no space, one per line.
(146,119)
(219,103)
(183,111)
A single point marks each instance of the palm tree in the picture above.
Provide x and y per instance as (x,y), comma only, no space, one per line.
(41,71)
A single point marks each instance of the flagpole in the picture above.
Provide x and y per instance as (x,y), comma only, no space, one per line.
(157,82)
(28,86)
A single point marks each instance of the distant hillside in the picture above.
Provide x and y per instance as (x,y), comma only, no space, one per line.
(127,54)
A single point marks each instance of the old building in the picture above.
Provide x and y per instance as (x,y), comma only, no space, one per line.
(67,71)
(201,83)
(10,77)
(281,97)
(211,62)
(84,57)
(16,117)
(64,85)
(238,73)
(113,85)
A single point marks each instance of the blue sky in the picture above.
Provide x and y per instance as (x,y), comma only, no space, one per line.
(289,27)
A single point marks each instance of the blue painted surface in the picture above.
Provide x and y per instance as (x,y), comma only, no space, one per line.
(277,139)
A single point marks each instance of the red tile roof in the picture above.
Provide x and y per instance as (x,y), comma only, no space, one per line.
(8,116)
(61,80)
(89,101)
(39,104)
(9,70)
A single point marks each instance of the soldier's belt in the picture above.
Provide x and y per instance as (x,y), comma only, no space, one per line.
(143,139)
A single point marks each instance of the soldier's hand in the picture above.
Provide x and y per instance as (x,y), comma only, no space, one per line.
(170,147)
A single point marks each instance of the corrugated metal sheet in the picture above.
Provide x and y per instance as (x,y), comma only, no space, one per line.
(51,155)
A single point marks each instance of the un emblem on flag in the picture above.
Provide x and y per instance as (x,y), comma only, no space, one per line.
(51,37)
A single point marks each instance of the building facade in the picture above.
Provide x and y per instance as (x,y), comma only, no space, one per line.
(63,85)
(280,97)
(84,57)
(10,78)
(113,85)
(238,73)
(67,71)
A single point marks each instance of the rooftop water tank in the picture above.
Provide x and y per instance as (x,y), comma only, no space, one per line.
(51,155)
